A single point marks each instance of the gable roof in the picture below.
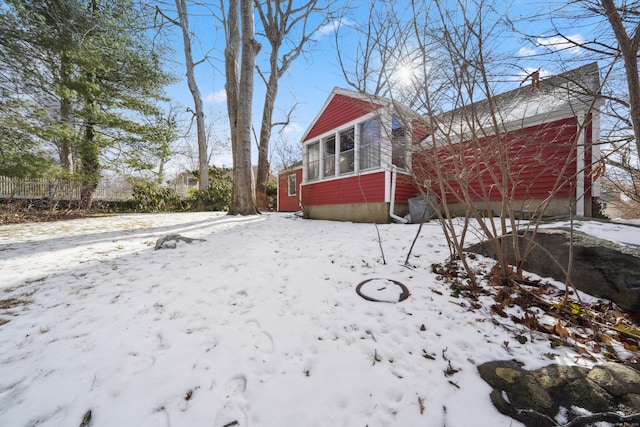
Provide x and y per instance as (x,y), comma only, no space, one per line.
(574,90)
(342,106)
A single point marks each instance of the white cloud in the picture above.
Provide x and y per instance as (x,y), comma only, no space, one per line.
(529,70)
(216,97)
(292,127)
(332,26)
(562,44)
(526,51)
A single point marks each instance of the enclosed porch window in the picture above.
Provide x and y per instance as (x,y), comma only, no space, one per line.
(347,147)
(370,144)
(313,161)
(329,156)
(399,141)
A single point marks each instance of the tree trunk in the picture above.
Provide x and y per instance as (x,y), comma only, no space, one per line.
(64,146)
(265,137)
(90,165)
(629,49)
(239,102)
(203,166)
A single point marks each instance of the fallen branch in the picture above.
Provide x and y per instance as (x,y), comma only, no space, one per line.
(610,417)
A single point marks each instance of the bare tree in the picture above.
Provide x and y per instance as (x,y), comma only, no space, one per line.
(182,21)
(625,24)
(290,25)
(240,59)
(614,41)
(286,154)
(483,160)
(381,46)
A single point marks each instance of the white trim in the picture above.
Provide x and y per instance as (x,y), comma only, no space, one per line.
(392,203)
(387,186)
(567,111)
(580,153)
(305,161)
(305,165)
(356,144)
(385,154)
(386,148)
(295,176)
(596,156)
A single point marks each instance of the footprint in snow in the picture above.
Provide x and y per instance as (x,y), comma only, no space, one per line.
(260,339)
(236,386)
(233,411)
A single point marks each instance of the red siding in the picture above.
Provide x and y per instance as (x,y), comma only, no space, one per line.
(354,189)
(288,203)
(341,109)
(405,188)
(539,160)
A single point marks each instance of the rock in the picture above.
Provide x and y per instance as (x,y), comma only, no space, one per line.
(601,268)
(585,394)
(521,388)
(554,376)
(170,241)
(535,397)
(527,417)
(630,403)
(617,380)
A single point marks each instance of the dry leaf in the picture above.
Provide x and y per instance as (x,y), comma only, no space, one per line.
(561,330)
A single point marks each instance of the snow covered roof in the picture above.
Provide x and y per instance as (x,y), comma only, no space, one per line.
(560,95)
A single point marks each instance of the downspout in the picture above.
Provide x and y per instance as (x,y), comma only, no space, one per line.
(394,178)
(300,198)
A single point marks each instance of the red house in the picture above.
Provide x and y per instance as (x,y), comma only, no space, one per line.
(289,182)
(364,157)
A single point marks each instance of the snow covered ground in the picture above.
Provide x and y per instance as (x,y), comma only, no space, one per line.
(259,325)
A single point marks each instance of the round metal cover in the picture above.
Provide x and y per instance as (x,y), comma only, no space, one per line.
(382,290)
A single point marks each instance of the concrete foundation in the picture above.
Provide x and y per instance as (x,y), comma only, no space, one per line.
(356,212)
(379,212)
(525,209)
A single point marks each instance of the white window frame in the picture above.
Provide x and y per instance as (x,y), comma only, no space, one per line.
(384,154)
(350,153)
(333,156)
(396,140)
(295,184)
(370,146)
(310,145)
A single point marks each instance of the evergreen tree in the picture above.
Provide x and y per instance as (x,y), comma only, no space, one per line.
(91,65)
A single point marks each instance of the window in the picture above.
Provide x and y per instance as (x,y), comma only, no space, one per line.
(292,185)
(398,143)
(370,144)
(347,143)
(329,156)
(313,161)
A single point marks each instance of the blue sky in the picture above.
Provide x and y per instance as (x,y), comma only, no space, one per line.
(311,78)
(307,84)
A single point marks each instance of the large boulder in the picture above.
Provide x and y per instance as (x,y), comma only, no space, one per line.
(535,397)
(601,268)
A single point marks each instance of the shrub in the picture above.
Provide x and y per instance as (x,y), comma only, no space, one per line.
(215,198)
(150,197)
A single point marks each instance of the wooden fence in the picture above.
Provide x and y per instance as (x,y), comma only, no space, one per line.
(40,188)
